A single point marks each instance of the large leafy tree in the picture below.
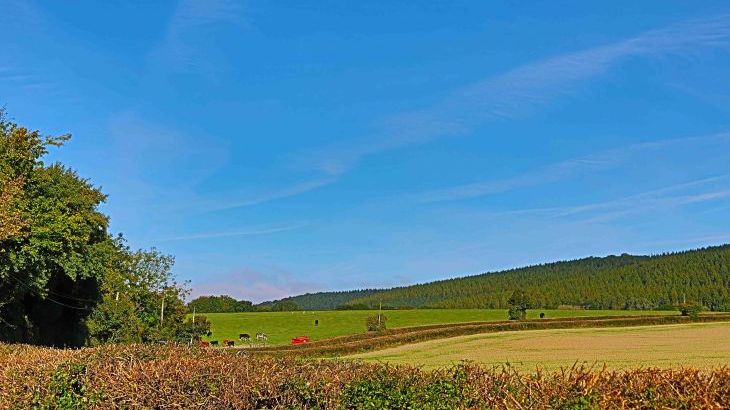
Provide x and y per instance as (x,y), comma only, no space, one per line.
(51,236)
(142,302)
(64,280)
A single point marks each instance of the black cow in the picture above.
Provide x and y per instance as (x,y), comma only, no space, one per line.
(244,337)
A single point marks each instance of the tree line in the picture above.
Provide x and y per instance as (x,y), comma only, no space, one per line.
(65,280)
(663,281)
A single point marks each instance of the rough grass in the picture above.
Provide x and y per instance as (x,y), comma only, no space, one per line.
(151,377)
(702,345)
(281,327)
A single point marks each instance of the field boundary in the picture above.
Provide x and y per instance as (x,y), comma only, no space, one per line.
(366,342)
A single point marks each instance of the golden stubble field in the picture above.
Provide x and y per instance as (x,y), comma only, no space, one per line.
(702,345)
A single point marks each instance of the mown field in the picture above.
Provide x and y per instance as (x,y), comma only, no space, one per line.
(282,326)
(700,345)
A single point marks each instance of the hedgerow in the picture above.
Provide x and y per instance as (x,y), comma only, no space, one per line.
(161,377)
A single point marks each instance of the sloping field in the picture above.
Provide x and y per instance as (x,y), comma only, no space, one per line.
(701,345)
(365,342)
(282,326)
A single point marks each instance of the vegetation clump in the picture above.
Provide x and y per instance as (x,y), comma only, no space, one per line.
(690,309)
(376,323)
(219,304)
(517,305)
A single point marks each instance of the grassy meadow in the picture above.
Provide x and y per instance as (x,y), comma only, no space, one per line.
(282,326)
(699,345)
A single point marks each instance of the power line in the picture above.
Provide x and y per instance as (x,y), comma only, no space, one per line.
(45,297)
(55,293)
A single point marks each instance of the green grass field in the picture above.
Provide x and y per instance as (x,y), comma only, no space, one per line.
(282,326)
(699,345)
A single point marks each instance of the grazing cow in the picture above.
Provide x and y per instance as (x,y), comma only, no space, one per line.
(244,337)
(214,343)
(230,343)
(203,344)
(261,337)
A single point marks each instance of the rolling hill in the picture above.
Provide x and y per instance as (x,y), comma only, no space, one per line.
(611,282)
(324,300)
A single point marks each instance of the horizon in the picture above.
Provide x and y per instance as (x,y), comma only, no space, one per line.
(282,149)
(675,252)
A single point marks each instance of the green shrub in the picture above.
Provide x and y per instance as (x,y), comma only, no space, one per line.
(690,309)
(68,390)
(517,305)
(385,390)
(376,323)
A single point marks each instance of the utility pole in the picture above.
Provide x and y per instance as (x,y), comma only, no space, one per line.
(380,309)
(192,331)
(162,310)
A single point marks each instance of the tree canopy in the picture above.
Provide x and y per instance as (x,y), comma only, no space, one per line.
(219,304)
(64,279)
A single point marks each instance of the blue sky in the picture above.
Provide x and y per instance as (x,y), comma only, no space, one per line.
(277,148)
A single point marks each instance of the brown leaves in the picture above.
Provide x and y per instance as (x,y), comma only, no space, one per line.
(11,216)
(174,377)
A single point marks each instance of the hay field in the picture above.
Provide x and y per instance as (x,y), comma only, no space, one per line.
(702,345)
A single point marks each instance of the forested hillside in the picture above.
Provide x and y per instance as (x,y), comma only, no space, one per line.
(323,300)
(613,282)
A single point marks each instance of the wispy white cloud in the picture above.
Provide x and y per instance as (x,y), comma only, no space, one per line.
(263,230)
(677,195)
(282,193)
(564,169)
(523,89)
(191,27)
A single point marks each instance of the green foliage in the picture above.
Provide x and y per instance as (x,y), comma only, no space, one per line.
(194,329)
(385,390)
(68,390)
(115,321)
(135,285)
(51,239)
(285,306)
(614,282)
(692,310)
(517,305)
(219,304)
(64,280)
(376,323)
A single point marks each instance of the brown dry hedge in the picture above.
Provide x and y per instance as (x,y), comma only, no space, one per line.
(169,377)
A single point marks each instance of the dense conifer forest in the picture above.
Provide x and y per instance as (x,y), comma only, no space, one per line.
(321,300)
(612,282)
